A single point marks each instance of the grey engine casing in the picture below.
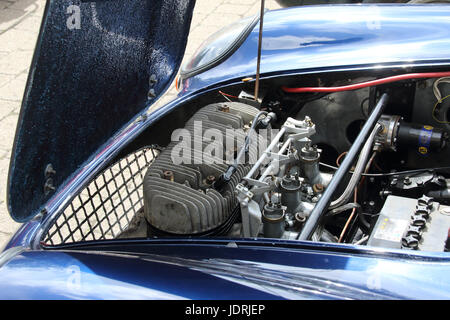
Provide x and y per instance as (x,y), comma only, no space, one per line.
(186,203)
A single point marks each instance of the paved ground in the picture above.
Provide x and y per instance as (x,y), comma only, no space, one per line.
(19,26)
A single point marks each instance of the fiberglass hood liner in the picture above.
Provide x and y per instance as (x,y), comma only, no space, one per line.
(89,77)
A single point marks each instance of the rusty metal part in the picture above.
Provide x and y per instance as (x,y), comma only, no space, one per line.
(168,175)
(318,187)
(224,108)
(210,179)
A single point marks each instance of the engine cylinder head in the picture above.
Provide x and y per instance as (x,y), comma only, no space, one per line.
(180,198)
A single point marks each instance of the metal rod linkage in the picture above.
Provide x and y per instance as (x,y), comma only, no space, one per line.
(271,166)
(318,211)
(266,152)
(258,61)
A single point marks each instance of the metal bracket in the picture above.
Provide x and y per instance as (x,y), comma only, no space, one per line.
(299,129)
(48,186)
(49,172)
(259,187)
(244,195)
(251,219)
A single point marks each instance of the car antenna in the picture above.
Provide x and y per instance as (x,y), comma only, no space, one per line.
(258,61)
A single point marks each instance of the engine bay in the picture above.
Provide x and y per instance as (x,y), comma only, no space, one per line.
(365,166)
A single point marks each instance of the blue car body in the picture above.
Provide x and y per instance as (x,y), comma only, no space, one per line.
(223,269)
(320,39)
(307,40)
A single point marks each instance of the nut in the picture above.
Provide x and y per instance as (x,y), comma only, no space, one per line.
(168,175)
(318,188)
(224,108)
(210,179)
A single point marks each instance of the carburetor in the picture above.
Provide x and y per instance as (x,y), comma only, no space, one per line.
(288,184)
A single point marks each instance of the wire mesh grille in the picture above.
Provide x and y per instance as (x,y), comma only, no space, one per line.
(103,209)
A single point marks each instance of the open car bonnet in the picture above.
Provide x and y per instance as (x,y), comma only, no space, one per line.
(93,67)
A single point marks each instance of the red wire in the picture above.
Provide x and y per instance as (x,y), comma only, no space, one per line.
(228,95)
(369,83)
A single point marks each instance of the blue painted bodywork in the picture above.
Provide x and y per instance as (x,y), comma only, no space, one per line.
(302,41)
(317,39)
(221,270)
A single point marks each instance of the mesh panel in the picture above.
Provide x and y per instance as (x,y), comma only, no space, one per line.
(106,206)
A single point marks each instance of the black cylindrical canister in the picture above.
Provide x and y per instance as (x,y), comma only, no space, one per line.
(273,221)
(422,137)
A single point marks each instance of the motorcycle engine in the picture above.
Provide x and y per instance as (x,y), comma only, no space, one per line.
(179,197)
(236,170)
